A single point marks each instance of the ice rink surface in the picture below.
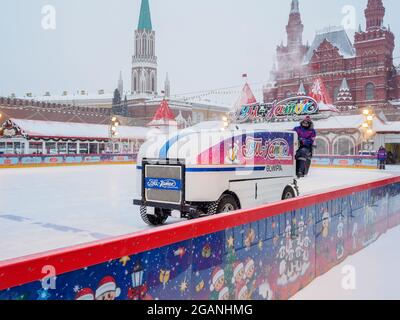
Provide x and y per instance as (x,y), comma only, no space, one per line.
(50,208)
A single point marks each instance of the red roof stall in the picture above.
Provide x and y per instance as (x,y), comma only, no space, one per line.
(21,136)
(164,117)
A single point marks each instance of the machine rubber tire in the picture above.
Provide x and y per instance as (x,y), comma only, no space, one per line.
(158,219)
(227,203)
(288,193)
(212,209)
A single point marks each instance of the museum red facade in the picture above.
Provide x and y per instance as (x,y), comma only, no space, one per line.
(356,74)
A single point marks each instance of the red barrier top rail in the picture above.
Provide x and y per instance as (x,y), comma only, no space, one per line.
(28,269)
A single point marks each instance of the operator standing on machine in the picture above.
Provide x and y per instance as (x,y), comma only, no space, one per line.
(307,135)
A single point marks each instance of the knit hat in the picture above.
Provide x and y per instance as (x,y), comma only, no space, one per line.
(107,284)
(85,294)
(217,274)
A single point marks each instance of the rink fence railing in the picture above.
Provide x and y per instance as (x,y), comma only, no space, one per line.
(267,252)
(35,160)
(360,162)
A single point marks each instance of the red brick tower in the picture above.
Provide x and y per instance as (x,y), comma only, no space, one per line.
(374,56)
(290,57)
(374,14)
(295,27)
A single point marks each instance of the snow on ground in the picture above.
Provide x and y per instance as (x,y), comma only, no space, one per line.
(49,208)
(376,271)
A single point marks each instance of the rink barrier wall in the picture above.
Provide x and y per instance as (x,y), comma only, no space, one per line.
(270,252)
(32,161)
(359,162)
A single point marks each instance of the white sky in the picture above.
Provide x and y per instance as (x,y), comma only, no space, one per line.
(203,44)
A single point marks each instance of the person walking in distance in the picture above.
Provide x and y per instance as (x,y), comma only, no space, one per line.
(307,135)
(382,158)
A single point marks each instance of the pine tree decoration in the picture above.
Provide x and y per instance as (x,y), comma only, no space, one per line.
(116,103)
(230,259)
(125,107)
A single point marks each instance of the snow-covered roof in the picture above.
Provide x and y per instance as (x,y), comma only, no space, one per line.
(336,36)
(387,127)
(106,98)
(207,104)
(395,103)
(191,103)
(36,128)
(70,98)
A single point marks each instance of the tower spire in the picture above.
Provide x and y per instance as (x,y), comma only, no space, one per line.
(301,91)
(167,87)
(144,62)
(374,14)
(145,16)
(295,27)
(295,7)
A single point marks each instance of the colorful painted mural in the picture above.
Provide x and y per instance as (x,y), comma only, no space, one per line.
(10,161)
(271,258)
(366,162)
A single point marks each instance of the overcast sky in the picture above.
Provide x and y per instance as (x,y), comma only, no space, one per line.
(203,44)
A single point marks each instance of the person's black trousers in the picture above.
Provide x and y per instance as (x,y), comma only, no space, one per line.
(382,164)
(303,161)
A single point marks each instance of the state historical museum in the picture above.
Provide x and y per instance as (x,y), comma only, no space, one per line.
(356,74)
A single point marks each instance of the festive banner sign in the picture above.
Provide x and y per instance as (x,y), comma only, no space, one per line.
(299,106)
(288,109)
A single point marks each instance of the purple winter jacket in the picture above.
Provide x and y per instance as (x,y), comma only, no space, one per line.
(306,136)
(382,154)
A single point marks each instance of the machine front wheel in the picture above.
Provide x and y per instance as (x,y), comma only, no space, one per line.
(226,203)
(288,193)
(158,219)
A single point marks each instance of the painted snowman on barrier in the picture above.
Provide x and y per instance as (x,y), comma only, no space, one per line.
(293,253)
